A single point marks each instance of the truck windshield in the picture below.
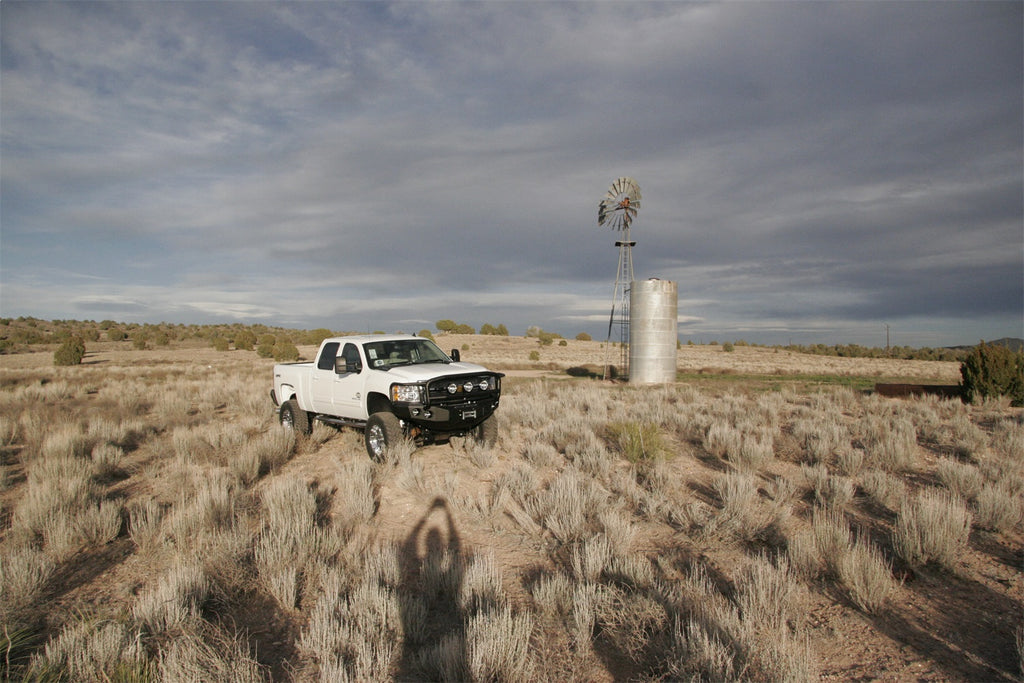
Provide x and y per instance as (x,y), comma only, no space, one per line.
(387,354)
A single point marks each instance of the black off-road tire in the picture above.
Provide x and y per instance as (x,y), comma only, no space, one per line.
(383,430)
(294,417)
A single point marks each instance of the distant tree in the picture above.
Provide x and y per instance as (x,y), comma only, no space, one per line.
(583,336)
(140,340)
(220,343)
(463,328)
(992,370)
(427,334)
(116,334)
(502,330)
(71,352)
(488,329)
(445,325)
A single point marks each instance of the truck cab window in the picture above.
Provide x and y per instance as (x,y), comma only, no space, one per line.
(327,356)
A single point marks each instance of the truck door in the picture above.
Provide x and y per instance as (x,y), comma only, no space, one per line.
(322,379)
(347,393)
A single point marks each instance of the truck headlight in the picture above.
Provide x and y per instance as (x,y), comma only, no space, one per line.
(406,393)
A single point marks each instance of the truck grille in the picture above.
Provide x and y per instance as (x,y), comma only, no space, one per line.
(439,390)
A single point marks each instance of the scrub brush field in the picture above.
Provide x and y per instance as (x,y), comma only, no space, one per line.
(766,517)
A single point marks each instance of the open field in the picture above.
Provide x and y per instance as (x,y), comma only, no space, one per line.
(756,520)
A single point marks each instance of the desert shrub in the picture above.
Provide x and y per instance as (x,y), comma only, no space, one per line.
(637,441)
(207,655)
(963,480)
(265,350)
(23,573)
(866,575)
(583,336)
(884,489)
(71,352)
(285,351)
(174,602)
(933,527)
(220,343)
(997,508)
(92,650)
(498,646)
(993,370)
(727,347)
(891,442)
(534,355)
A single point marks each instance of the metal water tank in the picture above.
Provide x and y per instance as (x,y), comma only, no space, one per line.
(653,321)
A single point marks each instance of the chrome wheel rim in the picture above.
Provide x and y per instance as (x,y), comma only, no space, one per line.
(375,437)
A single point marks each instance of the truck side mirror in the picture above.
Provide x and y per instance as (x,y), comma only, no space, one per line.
(455,355)
(342,366)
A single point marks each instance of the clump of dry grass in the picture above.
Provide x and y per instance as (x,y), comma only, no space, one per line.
(933,527)
(23,573)
(866,575)
(173,604)
(997,508)
(92,650)
(891,442)
(353,635)
(884,489)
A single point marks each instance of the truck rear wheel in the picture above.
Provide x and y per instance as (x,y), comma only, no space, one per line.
(294,417)
(383,430)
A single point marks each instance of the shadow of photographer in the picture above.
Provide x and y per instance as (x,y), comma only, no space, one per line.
(433,568)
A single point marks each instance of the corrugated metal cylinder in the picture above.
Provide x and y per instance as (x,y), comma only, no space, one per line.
(653,320)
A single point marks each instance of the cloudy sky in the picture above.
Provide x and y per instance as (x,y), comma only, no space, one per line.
(811,172)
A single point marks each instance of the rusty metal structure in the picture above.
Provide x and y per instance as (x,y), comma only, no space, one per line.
(617,210)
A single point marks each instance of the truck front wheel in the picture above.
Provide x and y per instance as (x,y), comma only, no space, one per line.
(486,434)
(383,430)
(294,417)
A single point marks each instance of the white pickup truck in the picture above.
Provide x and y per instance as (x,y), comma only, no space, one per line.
(391,386)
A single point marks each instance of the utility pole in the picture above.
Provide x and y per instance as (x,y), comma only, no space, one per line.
(887,351)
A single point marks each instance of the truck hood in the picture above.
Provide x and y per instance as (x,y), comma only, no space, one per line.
(428,371)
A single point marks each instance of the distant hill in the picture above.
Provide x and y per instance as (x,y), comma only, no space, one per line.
(1012,343)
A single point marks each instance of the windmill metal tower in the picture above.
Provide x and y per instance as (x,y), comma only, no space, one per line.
(617,210)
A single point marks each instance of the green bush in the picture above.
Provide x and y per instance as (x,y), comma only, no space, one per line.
(116,334)
(728,347)
(425,333)
(992,370)
(638,441)
(71,352)
(285,351)
(245,340)
(583,336)
(265,350)
(220,343)
(534,355)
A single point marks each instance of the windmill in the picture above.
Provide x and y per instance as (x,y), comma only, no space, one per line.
(617,210)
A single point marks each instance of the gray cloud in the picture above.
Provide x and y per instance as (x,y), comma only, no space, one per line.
(807,169)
